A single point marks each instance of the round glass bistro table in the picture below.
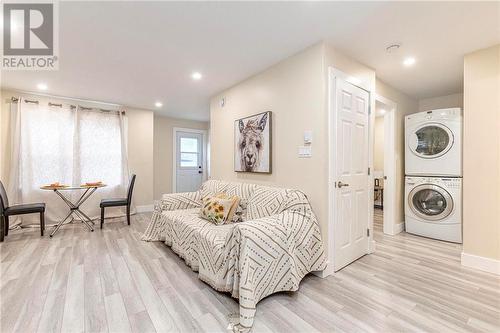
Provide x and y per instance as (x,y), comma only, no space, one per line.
(74,207)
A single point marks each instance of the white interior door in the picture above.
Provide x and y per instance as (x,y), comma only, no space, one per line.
(189,161)
(351,197)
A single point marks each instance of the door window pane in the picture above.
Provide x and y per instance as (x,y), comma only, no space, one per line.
(431,140)
(189,159)
(429,202)
(189,145)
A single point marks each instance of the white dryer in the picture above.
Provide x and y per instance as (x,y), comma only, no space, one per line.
(433,207)
(433,143)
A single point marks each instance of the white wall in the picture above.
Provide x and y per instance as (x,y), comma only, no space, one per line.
(140,153)
(481,165)
(442,102)
(163,150)
(405,105)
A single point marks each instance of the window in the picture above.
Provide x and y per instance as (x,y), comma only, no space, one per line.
(69,146)
(189,152)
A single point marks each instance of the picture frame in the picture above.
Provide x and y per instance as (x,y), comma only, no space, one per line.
(253,143)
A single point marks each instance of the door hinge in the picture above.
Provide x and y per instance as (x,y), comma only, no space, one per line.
(368,171)
(368,232)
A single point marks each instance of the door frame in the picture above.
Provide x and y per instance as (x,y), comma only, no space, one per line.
(390,226)
(174,153)
(333,75)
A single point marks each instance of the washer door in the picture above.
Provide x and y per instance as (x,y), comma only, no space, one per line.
(430,202)
(430,140)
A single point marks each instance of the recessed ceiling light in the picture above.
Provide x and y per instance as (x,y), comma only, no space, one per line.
(42,86)
(158,104)
(382,111)
(410,61)
(196,76)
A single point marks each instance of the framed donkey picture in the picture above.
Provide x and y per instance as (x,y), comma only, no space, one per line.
(252,142)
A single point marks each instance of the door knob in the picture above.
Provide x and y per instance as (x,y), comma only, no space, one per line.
(340,184)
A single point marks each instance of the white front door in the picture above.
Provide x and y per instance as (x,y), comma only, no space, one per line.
(189,161)
(350,150)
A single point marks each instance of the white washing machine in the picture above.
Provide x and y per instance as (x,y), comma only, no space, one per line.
(433,207)
(433,143)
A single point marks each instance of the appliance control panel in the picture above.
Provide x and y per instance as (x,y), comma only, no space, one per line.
(452,183)
(452,113)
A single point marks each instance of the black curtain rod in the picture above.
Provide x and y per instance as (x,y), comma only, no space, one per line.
(15,100)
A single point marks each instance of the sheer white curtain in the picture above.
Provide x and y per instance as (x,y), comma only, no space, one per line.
(70,146)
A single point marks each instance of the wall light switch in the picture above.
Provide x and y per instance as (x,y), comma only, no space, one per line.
(305,151)
(308,137)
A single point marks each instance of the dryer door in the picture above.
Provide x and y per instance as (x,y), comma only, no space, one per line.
(430,202)
(430,140)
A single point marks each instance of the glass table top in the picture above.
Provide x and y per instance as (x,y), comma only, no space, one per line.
(71,187)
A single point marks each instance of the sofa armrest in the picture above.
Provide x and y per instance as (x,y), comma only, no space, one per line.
(174,201)
(273,254)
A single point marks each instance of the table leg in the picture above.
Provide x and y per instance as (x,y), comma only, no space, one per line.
(88,218)
(84,219)
(58,225)
(75,210)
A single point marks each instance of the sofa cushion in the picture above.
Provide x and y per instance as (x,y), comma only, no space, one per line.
(213,242)
(242,190)
(265,201)
(212,187)
(182,229)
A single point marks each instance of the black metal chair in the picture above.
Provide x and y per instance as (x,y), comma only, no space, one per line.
(6,211)
(119,202)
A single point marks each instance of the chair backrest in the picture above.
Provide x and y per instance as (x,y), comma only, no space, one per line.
(4,201)
(130,190)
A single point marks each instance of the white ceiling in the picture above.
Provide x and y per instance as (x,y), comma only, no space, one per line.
(136,53)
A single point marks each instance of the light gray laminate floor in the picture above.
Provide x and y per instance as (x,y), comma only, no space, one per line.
(109,280)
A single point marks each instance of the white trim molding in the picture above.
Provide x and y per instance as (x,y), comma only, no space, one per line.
(144,208)
(486,264)
(390,226)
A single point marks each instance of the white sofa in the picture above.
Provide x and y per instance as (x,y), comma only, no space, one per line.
(277,244)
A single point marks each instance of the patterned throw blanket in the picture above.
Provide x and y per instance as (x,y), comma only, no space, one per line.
(272,250)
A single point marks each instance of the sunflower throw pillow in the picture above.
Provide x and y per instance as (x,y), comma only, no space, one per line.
(220,208)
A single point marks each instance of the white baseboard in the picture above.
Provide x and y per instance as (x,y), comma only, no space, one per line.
(394,229)
(144,208)
(326,272)
(482,263)
(399,227)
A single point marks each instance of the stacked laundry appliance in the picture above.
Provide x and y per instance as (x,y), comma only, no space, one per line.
(433,168)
